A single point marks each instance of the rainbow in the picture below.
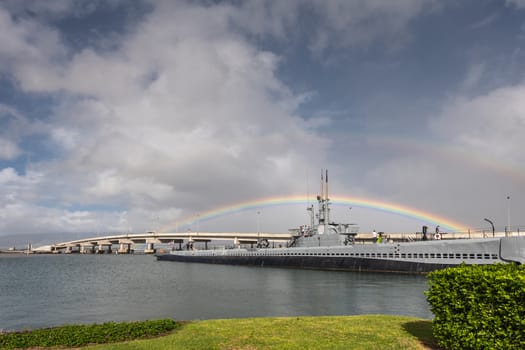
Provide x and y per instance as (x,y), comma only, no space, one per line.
(260,203)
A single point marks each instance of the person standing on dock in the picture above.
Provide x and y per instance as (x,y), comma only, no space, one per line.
(374,236)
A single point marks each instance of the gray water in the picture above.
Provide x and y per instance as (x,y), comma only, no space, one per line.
(49,290)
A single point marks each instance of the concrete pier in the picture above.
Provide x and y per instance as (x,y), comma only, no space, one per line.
(125,246)
(150,248)
(87,248)
(104,247)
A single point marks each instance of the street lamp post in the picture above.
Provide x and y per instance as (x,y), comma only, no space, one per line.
(491,224)
(198,222)
(258,223)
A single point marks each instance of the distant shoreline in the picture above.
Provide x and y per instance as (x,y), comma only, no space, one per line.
(14,252)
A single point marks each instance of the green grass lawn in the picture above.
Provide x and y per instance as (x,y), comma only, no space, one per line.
(327,332)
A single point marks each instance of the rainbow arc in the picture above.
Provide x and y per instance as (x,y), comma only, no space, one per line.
(393,208)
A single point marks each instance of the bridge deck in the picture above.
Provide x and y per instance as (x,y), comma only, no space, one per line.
(154,237)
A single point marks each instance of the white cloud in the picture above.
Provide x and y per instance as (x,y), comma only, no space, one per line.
(17,192)
(8,175)
(24,208)
(27,44)
(492,125)
(66,138)
(183,116)
(8,150)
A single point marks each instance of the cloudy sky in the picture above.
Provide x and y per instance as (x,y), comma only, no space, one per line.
(133,115)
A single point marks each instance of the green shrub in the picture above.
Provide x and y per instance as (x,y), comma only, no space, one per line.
(80,335)
(479,307)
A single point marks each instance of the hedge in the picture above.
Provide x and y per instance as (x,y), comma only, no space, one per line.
(478,307)
(81,335)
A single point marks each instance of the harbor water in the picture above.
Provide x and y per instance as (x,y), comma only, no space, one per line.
(39,291)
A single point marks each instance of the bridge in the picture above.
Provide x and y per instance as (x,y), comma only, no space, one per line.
(126,242)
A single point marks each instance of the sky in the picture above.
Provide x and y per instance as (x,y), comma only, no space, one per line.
(133,116)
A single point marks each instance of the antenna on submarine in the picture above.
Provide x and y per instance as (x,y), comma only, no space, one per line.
(320,203)
(322,186)
(310,207)
(327,203)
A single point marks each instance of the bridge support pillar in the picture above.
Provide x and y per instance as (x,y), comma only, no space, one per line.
(87,249)
(150,249)
(101,247)
(101,250)
(124,248)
